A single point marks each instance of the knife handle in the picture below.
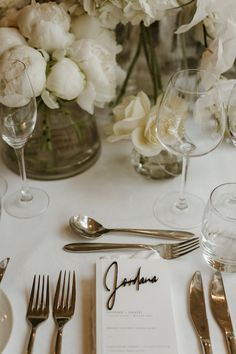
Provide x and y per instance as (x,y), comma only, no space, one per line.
(231,343)
(206,346)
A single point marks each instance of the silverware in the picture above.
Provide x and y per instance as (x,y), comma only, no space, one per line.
(167,251)
(90,228)
(198,312)
(38,308)
(3,267)
(63,306)
(220,311)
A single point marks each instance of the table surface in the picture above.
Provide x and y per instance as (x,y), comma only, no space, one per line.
(116,195)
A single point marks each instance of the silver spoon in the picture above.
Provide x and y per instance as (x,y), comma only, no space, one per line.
(90,228)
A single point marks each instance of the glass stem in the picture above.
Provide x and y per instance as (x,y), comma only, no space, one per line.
(182,203)
(26,196)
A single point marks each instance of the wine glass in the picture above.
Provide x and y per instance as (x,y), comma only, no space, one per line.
(190,123)
(18,113)
(231,114)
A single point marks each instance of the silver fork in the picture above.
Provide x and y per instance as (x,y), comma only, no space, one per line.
(38,307)
(63,306)
(165,250)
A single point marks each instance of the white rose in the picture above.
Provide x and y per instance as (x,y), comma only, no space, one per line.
(36,70)
(131,113)
(46,26)
(9,38)
(88,27)
(65,80)
(99,67)
(145,139)
(136,120)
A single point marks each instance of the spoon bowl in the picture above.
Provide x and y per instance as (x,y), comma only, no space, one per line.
(89,228)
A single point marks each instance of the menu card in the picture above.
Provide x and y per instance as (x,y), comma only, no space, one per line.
(133,307)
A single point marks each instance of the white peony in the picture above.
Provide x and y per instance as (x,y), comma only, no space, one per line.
(65,80)
(17,85)
(99,66)
(113,12)
(46,26)
(89,27)
(9,38)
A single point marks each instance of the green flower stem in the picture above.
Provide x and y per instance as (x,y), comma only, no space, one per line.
(205,35)
(129,72)
(155,66)
(47,131)
(145,43)
(149,59)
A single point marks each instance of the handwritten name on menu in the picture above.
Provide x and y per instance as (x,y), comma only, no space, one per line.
(137,280)
(133,307)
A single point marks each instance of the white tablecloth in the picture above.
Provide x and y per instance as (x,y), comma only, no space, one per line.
(116,195)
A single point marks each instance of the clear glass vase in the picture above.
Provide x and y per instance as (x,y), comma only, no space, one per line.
(161,166)
(65,142)
(152,54)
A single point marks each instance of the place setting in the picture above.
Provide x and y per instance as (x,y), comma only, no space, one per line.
(118,119)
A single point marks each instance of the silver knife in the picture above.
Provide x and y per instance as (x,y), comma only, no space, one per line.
(220,311)
(198,312)
(3,267)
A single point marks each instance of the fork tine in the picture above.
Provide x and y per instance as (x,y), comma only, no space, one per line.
(42,293)
(56,298)
(32,295)
(188,242)
(185,245)
(47,295)
(68,292)
(73,295)
(62,300)
(37,295)
(185,251)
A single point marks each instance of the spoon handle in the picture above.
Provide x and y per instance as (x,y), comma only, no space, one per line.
(167,234)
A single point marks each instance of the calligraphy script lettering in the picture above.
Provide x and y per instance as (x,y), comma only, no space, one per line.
(137,280)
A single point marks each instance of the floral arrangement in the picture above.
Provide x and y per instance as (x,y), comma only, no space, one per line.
(112,12)
(216,20)
(69,55)
(214,23)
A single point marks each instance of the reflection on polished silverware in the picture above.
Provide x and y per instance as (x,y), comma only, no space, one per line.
(89,228)
(166,251)
(63,306)
(3,267)
(220,311)
(198,312)
(38,308)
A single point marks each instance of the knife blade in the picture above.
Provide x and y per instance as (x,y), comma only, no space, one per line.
(198,312)
(220,311)
(3,267)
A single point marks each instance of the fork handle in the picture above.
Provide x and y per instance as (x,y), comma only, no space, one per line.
(58,341)
(89,247)
(31,340)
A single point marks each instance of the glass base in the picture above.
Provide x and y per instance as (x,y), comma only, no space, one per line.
(163,165)
(166,211)
(217,258)
(20,209)
(219,264)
